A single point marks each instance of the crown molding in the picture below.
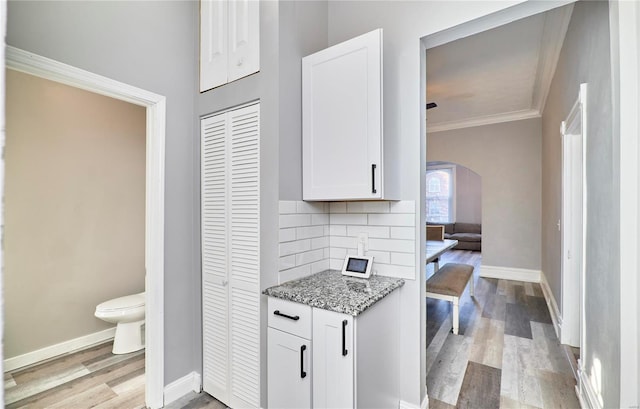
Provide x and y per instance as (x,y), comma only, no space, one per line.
(484,120)
(556,23)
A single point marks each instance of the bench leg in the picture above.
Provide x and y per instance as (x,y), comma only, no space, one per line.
(456,311)
(436,265)
(471,289)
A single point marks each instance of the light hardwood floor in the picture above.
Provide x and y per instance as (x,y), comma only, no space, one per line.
(506,355)
(91,378)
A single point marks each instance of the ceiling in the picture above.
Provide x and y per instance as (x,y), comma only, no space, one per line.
(499,75)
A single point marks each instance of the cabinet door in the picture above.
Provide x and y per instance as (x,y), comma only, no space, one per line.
(244,38)
(333,372)
(289,370)
(342,120)
(214,56)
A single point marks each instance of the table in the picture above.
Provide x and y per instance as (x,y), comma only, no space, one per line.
(436,248)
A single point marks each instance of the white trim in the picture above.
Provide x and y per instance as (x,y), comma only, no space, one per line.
(484,120)
(62,348)
(406,405)
(552,305)
(33,64)
(510,273)
(624,23)
(586,392)
(182,386)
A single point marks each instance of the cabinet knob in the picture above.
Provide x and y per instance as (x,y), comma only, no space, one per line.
(240,62)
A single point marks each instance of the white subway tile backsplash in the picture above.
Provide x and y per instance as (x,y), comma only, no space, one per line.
(344,242)
(401,246)
(337,252)
(287,234)
(311,207)
(381,232)
(309,232)
(294,220)
(294,273)
(317,219)
(338,207)
(309,257)
(403,206)
(294,247)
(287,207)
(336,264)
(408,233)
(287,262)
(315,236)
(321,265)
(320,242)
(380,256)
(368,207)
(392,270)
(392,219)
(345,218)
(403,259)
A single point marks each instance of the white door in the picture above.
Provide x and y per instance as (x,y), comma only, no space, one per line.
(214,55)
(573,222)
(231,256)
(244,38)
(289,371)
(342,120)
(333,359)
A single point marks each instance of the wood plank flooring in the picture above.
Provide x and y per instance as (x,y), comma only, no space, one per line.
(93,377)
(506,355)
(90,378)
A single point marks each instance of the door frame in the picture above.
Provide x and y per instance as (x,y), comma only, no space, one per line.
(573,131)
(33,64)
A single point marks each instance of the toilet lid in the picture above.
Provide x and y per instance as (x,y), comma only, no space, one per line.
(129,301)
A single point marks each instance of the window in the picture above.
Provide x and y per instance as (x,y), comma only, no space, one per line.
(441,194)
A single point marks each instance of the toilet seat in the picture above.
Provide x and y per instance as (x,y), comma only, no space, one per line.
(122,303)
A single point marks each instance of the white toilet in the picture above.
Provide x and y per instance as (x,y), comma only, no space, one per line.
(128,312)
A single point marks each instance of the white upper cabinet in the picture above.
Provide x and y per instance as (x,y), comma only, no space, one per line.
(229,41)
(345,156)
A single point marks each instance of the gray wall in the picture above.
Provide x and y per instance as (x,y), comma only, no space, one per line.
(74,209)
(151,45)
(507,157)
(585,57)
(468,195)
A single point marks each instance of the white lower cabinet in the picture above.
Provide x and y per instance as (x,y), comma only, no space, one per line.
(354,362)
(290,372)
(333,360)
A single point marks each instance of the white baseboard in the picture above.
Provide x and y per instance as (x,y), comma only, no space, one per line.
(11,364)
(180,387)
(510,273)
(552,305)
(586,392)
(406,405)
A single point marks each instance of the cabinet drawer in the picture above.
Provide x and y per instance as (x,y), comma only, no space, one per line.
(290,317)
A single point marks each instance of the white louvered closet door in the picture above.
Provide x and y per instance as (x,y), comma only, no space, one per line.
(231,256)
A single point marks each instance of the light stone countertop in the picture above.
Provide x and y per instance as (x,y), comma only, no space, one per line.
(332,291)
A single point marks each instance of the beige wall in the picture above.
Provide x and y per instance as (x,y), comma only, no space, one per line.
(74,209)
(507,158)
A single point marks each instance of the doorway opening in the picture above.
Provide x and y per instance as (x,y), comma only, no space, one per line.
(573,225)
(155,107)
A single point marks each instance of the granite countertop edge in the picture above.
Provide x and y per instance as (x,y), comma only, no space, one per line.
(329,290)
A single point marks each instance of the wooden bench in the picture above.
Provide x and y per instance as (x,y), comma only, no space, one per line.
(448,283)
